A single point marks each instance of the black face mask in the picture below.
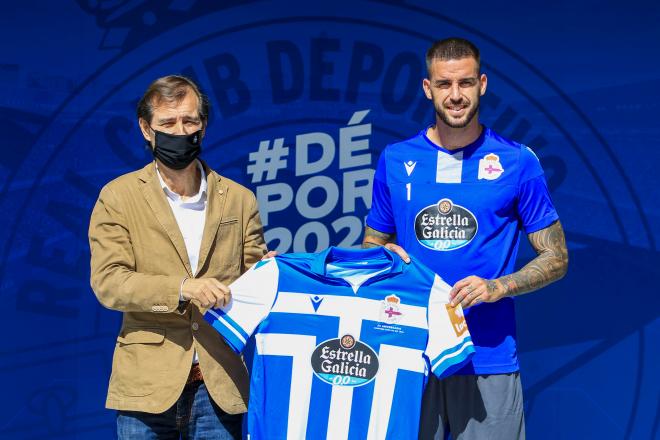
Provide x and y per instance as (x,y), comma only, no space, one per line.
(177,151)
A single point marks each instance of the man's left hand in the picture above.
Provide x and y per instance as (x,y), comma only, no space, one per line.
(269,254)
(474,290)
(401,252)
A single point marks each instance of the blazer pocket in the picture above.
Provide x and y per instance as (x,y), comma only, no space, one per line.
(139,361)
(141,336)
(229,245)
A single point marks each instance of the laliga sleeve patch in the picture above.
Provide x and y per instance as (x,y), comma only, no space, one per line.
(457,319)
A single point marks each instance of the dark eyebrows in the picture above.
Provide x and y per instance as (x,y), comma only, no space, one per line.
(469,79)
(195,119)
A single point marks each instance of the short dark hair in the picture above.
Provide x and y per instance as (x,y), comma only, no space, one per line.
(171,88)
(453,48)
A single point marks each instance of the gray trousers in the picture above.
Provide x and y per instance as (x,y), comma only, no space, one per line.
(473,408)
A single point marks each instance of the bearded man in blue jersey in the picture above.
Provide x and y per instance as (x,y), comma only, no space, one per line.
(463,195)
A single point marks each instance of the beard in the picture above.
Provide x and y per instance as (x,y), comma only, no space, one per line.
(457,123)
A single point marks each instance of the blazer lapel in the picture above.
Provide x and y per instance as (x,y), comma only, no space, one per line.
(216,196)
(156,199)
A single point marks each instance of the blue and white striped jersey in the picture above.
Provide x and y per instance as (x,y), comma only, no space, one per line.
(344,341)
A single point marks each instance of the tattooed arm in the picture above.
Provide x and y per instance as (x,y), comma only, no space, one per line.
(374,238)
(549,265)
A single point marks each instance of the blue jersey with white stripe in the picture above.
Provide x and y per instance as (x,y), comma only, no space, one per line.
(462,212)
(344,341)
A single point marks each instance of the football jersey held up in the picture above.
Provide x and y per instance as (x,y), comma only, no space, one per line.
(344,341)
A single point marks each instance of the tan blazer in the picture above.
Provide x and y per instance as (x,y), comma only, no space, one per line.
(138,262)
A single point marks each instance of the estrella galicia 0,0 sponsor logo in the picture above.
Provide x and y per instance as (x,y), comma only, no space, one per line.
(345,361)
(445,226)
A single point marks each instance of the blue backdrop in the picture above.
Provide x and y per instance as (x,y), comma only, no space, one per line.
(321,89)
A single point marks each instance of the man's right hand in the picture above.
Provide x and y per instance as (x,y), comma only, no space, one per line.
(209,292)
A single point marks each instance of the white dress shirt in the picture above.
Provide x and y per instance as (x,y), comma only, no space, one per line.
(190,215)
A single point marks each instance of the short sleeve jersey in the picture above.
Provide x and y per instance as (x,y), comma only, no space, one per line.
(462,212)
(344,342)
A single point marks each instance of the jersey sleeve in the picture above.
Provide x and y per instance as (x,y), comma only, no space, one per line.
(380,215)
(449,344)
(252,297)
(535,206)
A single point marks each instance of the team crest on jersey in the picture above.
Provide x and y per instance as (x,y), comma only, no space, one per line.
(490,167)
(445,226)
(345,361)
(457,319)
(390,312)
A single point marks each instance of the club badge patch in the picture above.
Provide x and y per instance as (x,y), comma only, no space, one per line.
(345,362)
(445,226)
(490,167)
(390,312)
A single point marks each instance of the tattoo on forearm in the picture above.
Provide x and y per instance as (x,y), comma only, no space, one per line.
(550,264)
(374,238)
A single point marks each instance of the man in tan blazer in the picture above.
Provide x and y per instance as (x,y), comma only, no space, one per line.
(165,242)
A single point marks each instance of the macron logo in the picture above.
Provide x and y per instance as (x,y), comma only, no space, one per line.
(316,301)
(410,166)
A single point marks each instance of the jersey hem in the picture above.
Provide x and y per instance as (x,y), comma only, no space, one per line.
(496,369)
(380,227)
(541,224)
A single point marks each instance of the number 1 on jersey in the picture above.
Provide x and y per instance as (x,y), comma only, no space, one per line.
(408,186)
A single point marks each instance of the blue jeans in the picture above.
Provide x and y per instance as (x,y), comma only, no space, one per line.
(193,416)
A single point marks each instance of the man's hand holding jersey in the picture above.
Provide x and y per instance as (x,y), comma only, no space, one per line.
(208,292)
(473,290)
